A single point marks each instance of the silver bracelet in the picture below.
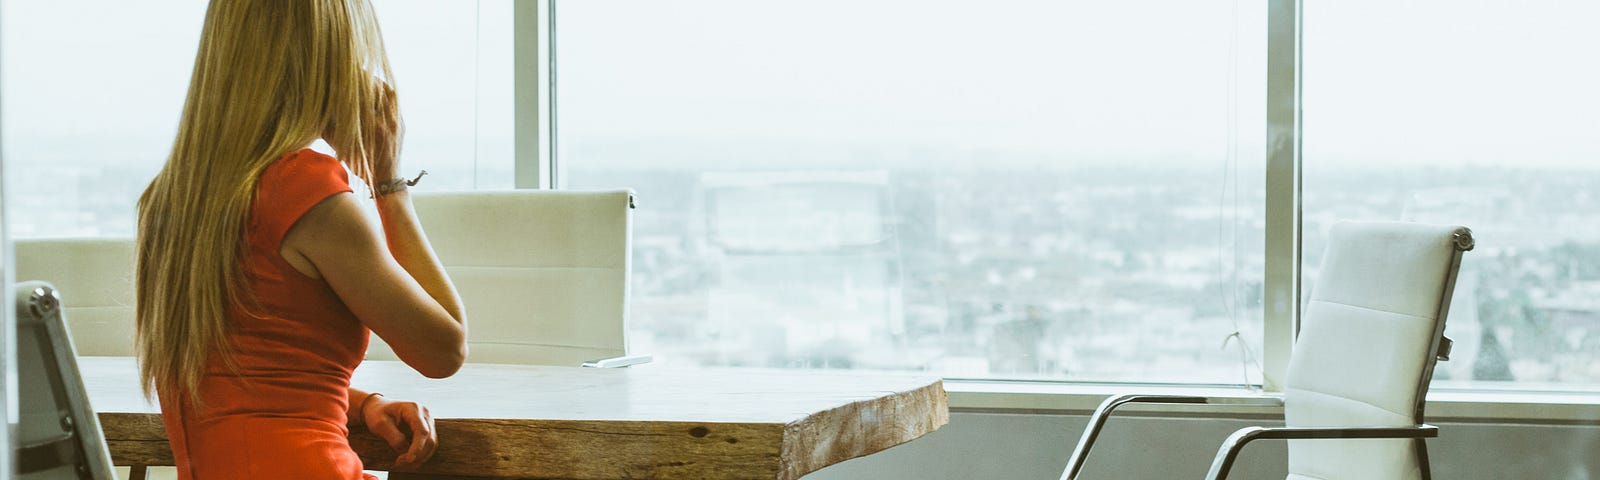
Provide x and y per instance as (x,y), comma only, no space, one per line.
(396,184)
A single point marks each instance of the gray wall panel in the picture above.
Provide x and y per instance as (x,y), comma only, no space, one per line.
(1035,446)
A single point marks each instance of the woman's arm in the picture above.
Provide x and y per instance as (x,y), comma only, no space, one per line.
(389,279)
(403,296)
(410,247)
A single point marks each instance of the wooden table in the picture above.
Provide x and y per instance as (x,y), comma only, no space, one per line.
(505,421)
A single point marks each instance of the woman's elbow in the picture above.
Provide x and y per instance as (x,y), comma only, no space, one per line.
(442,357)
(440,371)
(442,368)
(449,360)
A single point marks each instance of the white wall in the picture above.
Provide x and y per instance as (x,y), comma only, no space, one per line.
(979,446)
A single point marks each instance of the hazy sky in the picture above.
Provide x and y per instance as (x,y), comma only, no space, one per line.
(1079,79)
(1437,81)
(120,70)
(1451,80)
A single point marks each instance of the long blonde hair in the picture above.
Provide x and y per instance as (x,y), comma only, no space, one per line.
(271,76)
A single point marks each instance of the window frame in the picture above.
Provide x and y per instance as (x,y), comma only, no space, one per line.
(533,33)
(537,166)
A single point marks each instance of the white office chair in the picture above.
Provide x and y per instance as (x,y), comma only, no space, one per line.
(96,278)
(543,274)
(58,436)
(1358,378)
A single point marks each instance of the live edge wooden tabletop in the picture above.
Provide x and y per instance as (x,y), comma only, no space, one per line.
(534,422)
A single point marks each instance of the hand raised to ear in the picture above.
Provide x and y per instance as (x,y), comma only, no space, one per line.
(382,132)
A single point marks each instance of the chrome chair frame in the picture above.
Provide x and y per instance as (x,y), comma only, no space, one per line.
(79,442)
(1229,451)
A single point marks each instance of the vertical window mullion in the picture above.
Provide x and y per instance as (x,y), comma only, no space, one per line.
(1282,276)
(534,36)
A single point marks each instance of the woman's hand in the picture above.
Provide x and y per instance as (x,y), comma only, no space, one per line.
(394,421)
(383,133)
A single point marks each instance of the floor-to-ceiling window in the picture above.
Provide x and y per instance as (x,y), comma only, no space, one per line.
(1012,189)
(1009,190)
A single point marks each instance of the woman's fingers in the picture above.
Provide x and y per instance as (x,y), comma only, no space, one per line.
(388,107)
(384,427)
(424,439)
(383,130)
(394,422)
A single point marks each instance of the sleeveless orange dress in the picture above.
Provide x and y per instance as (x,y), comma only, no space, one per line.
(283,415)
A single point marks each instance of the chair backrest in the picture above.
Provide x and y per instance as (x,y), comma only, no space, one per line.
(1368,341)
(58,436)
(95,276)
(543,273)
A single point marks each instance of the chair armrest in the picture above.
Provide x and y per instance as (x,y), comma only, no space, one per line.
(619,362)
(1230,449)
(41,455)
(1081,453)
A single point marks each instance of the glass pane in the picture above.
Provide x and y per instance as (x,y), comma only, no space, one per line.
(93,90)
(452,65)
(1009,189)
(92,96)
(1474,114)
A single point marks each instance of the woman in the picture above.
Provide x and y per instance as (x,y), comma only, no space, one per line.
(259,273)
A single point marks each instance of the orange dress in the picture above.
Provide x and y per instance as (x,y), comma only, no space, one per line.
(283,416)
